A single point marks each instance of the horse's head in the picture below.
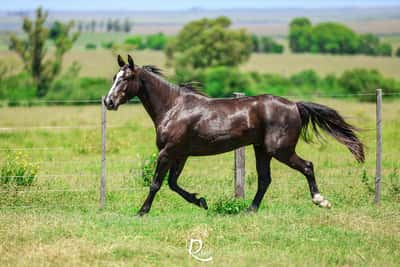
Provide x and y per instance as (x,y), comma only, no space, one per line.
(125,84)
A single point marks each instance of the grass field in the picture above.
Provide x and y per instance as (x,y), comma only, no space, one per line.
(55,225)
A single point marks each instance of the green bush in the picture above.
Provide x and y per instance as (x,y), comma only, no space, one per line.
(16,89)
(305,78)
(156,41)
(364,81)
(84,88)
(17,170)
(266,44)
(385,49)
(136,41)
(148,169)
(269,45)
(224,81)
(398,52)
(394,188)
(369,44)
(256,43)
(229,206)
(107,45)
(91,46)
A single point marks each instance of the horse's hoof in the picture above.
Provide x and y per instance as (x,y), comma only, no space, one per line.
(252,209)
(140,214)
(319,200)
(203,203)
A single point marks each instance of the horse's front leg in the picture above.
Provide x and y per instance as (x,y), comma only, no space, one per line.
(163,164)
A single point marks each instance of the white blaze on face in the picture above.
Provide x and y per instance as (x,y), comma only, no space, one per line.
(113,87)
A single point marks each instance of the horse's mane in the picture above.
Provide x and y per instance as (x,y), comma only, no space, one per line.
(192,86)
(153,69)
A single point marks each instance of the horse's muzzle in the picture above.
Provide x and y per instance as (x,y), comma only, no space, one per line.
(110,105)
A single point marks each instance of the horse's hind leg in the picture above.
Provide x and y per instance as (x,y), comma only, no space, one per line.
(306,168)
(174,173)
(263,160)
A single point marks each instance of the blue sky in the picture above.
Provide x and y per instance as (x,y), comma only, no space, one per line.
(182,4)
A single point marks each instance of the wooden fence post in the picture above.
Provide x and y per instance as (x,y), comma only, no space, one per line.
(378,174)
(103,154)
(239,166)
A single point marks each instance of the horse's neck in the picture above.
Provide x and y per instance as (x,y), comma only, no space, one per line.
(157,96)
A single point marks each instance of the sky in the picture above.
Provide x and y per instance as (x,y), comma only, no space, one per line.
(182,4)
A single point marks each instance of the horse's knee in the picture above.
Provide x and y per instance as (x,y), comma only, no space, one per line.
(309,168)
(162,159)
(154,187)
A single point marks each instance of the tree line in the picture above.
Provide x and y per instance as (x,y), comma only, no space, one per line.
(333,38)
(206,50)
(109,25)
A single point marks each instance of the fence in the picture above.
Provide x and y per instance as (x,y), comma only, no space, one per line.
(239,161)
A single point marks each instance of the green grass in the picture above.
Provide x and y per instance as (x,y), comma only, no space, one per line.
(67,228)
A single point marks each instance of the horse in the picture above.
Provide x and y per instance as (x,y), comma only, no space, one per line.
(189,123)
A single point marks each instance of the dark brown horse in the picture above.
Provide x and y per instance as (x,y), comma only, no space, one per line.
(189,123)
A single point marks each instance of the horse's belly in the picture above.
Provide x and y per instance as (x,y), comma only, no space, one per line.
(220,142)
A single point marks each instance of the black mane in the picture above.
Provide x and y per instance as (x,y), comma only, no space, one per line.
(153,69)
(192,86)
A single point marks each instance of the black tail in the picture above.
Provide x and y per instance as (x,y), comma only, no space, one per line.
(331,122)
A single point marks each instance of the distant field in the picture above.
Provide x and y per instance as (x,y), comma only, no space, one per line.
(101,63)
(288,64)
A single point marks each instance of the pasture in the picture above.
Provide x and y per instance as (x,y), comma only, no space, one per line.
(101,63)
(57,220)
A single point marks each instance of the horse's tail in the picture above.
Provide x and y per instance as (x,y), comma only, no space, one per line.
(331,122)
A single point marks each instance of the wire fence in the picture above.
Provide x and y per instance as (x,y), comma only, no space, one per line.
(133,172)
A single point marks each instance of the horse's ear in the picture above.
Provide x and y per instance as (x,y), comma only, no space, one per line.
(131,63)
(121,62)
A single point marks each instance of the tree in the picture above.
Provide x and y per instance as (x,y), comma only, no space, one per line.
(80,26)
(300,35)
(109,25)
(369,44)
(256,43)
(116,25)
(209,42)
(33,53)
(93,25)
(335,38)
(127,25)
(398,52)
